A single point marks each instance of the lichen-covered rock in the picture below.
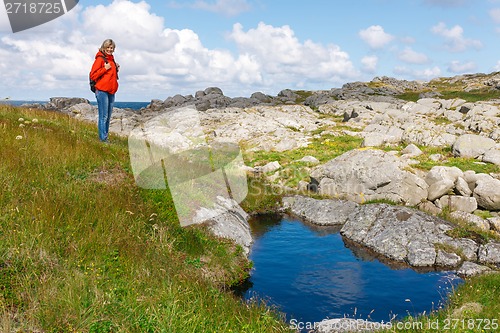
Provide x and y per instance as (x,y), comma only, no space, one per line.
(363,175)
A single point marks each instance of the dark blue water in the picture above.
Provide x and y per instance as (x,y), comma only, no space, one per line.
(310,274)
(118,104)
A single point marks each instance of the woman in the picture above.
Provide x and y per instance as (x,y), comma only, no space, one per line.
(105,72)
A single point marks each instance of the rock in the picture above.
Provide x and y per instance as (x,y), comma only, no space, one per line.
(65,102)
(487,193)
(320,212)
(469,269)
(438,173)
(462,187)
(374,140)
(490,253)
(467,247)
(228,220)
(446,259)
(213,91)
(421,254)
(457,203)
(429,207)
(411,151)
(471,145)
(472,219)
(270,167)
(309,159)
(438,189)
(467,310)
(492,156)
(348,325)
(363,175)
(494,223)
(399,233)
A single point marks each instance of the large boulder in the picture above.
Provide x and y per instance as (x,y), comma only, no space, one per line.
(227,220)
(487,193)
(472,145)
(320,212)
(363,175)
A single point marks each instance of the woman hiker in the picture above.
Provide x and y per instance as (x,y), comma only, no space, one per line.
(105,74)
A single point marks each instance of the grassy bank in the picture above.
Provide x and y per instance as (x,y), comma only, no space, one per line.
(85,250)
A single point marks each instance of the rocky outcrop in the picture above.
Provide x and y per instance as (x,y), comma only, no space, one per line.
(365,175)
(227,220)
(399,233)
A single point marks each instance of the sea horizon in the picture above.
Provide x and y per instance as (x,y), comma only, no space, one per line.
(118,104)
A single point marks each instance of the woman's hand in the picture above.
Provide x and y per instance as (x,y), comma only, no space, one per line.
(107,65)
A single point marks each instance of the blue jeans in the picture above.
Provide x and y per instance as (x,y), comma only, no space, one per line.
(105,103)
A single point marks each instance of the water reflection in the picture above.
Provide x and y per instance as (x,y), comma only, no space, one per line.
(311,273)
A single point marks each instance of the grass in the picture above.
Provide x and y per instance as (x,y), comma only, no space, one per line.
(85,250)
(449,160)
(323,148)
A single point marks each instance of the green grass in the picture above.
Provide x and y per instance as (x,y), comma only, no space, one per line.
(449,92)
(83,249)
(462,163)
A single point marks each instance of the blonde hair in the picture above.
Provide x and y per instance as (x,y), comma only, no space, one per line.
(107,43)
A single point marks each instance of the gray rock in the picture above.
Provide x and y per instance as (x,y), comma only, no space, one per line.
(472,219)
(469,269)
(270,167)
(411,151)
(446,259)
(399,233)
(487,193)
(462,187)
(494,223)
(489,253)
(421,253)
(309,159)
(320,212)
(438,189)
(60,103)
(438,173)
(472,145)
(362,175)
(429,207)
(348,325)
(227,220)
(492,156)
(467,247)
(457,203)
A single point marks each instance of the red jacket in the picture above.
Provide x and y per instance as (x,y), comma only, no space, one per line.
(107,80)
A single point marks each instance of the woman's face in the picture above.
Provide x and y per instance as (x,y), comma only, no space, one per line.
(109,49)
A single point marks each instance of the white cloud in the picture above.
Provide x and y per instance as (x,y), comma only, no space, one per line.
(375,36)
(157,61)
(224,7)
(369,63)
(410,56)
(497,67)
(495,15)
(283,58)
(454,39)
(458,67)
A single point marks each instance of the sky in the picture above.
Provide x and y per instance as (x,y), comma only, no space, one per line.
(169,47)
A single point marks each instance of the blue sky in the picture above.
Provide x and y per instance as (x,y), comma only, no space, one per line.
(244,46)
